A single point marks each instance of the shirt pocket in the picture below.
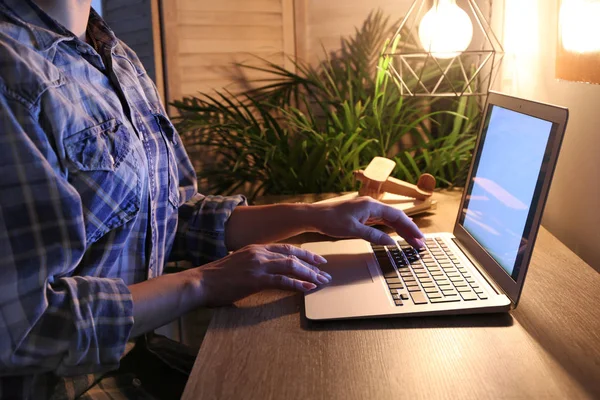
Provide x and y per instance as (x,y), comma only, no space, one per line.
(105,172)
(167,131)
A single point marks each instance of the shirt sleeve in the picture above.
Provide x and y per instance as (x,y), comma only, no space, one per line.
(200,236)
(50,318)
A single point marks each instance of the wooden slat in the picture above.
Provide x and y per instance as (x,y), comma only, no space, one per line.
(211,59)
(157,47)
(193,46)
(193,74)
(216,18)
(301,29)
(171,51)
(289,35)
(232,33)
(237,6)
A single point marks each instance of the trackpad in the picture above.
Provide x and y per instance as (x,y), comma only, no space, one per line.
(347,269)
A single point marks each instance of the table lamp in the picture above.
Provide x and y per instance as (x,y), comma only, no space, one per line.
(434,53)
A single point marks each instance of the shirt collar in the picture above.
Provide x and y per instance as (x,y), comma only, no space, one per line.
(47,31)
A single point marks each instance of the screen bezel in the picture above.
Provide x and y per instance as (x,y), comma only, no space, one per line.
(558,116)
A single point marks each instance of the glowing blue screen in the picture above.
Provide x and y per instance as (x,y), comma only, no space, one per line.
(503,183)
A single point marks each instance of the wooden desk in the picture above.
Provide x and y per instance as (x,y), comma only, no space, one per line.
(549,347)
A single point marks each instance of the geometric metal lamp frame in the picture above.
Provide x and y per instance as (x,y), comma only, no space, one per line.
(468,73)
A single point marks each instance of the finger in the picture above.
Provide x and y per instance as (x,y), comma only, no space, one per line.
(292,266)
(402,224)
(287,283)
(372,235)
(288,249)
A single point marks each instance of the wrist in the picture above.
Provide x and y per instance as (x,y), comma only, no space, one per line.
(194,288)
(306,217)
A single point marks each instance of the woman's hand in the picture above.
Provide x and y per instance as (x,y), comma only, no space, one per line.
(257,267)
(351,219)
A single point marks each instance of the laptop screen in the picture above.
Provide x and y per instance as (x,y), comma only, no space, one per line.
(503,183)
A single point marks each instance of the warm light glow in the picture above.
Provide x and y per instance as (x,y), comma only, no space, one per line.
(580,25)
(446,30)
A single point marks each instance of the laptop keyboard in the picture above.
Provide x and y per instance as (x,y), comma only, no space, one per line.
(430,275)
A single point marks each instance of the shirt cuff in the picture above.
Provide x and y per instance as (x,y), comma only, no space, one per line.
(205,230)
(102,313)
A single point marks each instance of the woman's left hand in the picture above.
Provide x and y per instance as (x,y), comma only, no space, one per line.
(352,219)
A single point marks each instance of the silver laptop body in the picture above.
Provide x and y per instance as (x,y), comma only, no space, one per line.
(481,266)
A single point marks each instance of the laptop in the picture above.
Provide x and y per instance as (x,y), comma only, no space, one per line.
(478,268)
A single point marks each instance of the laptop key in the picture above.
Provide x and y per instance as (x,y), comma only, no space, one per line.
(396,296)
(404,296)
(449,293)
(428,286)
(395,285)
(418,297)
(434,295)
(445,299)
(482,296)
(390,274)
(463,289)
(460,284)
(478,290)
(393,280)
(413,288)
(468,296)
(398,302)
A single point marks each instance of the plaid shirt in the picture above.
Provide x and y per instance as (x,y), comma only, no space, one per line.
(96,192)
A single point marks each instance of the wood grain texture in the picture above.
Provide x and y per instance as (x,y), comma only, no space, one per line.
(549,347)
(170,37)
(159,77)
(327,21)
(204,38)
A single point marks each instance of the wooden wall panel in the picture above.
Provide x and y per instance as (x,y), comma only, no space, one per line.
(203,38)
(326,21)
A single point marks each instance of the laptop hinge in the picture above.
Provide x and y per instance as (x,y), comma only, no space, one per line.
(481,270)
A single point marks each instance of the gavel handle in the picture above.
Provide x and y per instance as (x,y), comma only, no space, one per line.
(391,185)
(397,186)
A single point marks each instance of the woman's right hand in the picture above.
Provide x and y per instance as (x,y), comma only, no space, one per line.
(258,267)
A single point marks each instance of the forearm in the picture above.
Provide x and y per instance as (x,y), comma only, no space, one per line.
(267,224)
(159,301)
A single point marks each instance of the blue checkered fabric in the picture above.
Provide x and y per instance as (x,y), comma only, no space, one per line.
(96,193)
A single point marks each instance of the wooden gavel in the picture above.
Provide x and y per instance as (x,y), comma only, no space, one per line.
(376,180)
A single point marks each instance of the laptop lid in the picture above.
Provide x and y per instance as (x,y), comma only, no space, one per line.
(507,186)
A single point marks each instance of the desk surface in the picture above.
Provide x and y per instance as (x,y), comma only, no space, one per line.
(549,347)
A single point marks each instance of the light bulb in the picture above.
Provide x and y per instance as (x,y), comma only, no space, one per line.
(446,30)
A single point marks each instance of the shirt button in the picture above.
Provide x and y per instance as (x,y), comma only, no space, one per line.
(136,382)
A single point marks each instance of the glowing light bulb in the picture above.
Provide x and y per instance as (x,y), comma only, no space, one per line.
(446,30)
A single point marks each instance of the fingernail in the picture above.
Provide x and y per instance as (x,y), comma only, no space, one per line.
(320,259)
(322,279)
(325,274)
(308,285)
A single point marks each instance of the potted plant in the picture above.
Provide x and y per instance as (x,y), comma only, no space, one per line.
(306,131)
